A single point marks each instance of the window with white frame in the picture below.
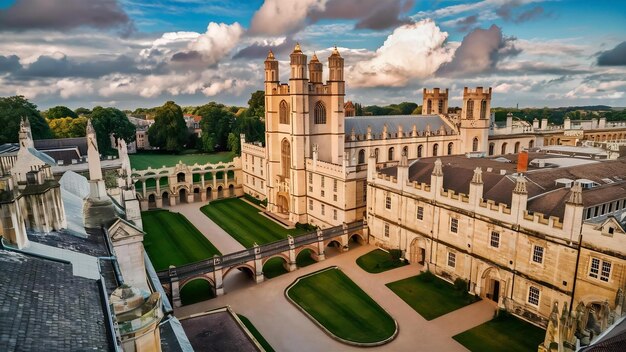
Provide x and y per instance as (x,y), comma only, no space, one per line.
(386,230)
(451,259)
(533,295)
(600,268)
(388,202)
(454,225)
(538,254)
(420,213)
(494,241)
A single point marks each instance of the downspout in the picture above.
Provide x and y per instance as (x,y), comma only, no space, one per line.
(580,241)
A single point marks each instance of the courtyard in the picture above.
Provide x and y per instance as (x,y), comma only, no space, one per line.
(245,224)
(142,161)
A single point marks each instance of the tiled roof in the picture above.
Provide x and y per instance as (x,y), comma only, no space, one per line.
(44,307)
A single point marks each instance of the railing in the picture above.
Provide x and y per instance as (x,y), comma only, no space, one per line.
(266,250)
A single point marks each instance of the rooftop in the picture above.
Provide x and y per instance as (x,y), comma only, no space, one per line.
(377,123)
(217,330)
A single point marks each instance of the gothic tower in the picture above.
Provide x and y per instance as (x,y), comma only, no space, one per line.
(435,102)
(98,208)
(475,119)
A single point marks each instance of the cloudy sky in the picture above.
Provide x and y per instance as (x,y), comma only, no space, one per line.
(135,53)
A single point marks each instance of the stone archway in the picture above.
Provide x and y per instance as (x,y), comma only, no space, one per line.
(282,202)
(166,199)
(182,195)
(492,285)
(418,251)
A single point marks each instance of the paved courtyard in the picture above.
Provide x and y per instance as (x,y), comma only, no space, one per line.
(287,329)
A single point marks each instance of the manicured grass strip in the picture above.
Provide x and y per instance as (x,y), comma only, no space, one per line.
(244,223)
(274,267)
(143,161)
(257,335)
(378,261)
(337,303)
(430,296)
(172,240)
(304,258)
(196,291)
(503,333)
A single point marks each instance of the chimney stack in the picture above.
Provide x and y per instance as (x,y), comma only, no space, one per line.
(522,161)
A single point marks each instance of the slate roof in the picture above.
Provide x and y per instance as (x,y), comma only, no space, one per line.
(43,307)
(62,143)
(360,123)
(217,331)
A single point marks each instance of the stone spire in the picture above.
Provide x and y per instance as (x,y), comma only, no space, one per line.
(93,155)
(438,169)
(25,135)
(335,52)
(576,195)
(297,48)
(270,55)
(478,175)
(520,185)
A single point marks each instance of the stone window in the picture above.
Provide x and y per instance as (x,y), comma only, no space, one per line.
(310,177)
(310,188)
(533,295)
(323,210)
(538,254)
(261,184)
(388,202)
(450,147)
(253,181)
(319,113)
(495,239)
(420,148)
(323,193)
(334,197)
(310,204)
(440,101)
(475,144)
(362,156)
(435,149)
(334,214)
(386,230)
(334,185)
(364,191)
(470,109)
(322,182)
(420,213)
(601,268)
(451,259)
(483,109)
(454,225)
(390,154)
(283,112)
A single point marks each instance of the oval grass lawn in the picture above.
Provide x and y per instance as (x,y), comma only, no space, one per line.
(338,304)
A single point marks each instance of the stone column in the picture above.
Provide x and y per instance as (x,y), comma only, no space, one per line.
(158,186)
(175,287)
(217,272)
(320,245)
(292,254)
(258,265)
(143,188)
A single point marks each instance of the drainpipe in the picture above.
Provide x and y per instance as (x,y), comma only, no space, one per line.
(580,241)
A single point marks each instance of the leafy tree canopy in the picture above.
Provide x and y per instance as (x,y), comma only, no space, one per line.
(11,111)
(68,127)
(59,112)
(169,131)
(217,122)
(111,121)
(83,111)
(256,104)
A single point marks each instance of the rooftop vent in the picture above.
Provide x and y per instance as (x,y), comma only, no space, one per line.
(586,183)
(566,182)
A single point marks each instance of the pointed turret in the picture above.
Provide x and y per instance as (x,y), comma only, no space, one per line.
(520,185)
(25,135)
(271,68)
(476,187)
(438,169)
(298,63)
(576,195)
(335,63)
(315,70)
(93,156)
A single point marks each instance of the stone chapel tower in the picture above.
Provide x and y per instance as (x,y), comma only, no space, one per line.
(475,119)
(300,117)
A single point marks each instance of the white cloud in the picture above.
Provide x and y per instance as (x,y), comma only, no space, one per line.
(411,51)
(276,17)
(217,41)
(73,87)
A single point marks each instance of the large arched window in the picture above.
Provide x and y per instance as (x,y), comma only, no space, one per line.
(361,156)
(429,107)
(319,113)
(483,109)
(475,144)
(285,158)
(491,148)
(470,109)
(283,112)
(450,147)
(435,149)
(503,151)
(420,148)
(390,154)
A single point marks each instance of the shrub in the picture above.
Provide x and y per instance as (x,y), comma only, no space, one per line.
(427,276)
(306,227)
(395,254)
(460,285)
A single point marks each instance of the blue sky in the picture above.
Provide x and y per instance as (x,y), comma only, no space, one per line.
(134,53)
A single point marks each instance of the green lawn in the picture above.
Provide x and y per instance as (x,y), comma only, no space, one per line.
(304,258)
(142,161)
(503,333)
(378,261)
(244,223)
(340,305)
(274,267)
(196,291)
(172,240)
(430,296)
(257,335)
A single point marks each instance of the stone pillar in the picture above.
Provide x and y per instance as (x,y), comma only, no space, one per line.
(345,237)
(320,245)
(203,195)
(159,202)
(158,186)
(172,199)
(175,287)
(143,188)
(258,265)
(217,272)
(292,254)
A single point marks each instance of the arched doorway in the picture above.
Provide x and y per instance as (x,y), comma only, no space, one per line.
(283,204)
(182,196)
(333,248)
(196,194)
(357,239)
(418,251)
(492,284)
(231,190)
(151,201)
(166,199)
(209,193)
(220,192)
(180,177)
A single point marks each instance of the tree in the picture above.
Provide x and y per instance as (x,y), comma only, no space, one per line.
(234,143)
(169,131)
(12,109)
(217,122)
(59,112)
(68,127)
(82,111)
(256,104)
(111,121)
